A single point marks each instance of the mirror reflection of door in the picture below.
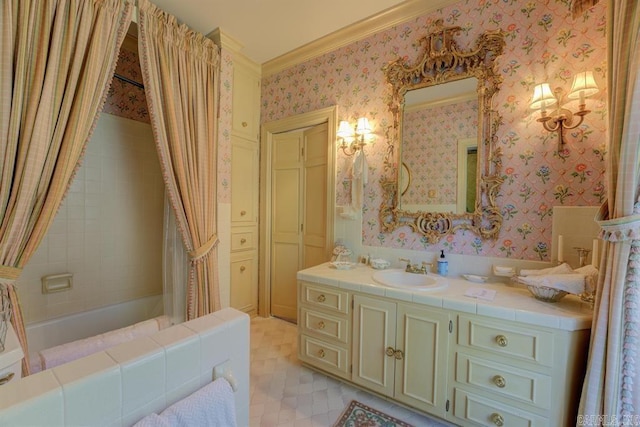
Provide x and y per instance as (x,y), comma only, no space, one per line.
(467,175)
(299,222)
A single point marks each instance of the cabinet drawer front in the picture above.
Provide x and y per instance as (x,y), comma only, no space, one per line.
(332,299)
(526,386)
(323,355)
(242,240)
(532,345)
(324,324)
(471,407)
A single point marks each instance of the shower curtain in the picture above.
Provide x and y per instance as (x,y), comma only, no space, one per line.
(56,61)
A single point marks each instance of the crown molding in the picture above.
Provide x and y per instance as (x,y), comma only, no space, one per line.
(224,40)
(395,15)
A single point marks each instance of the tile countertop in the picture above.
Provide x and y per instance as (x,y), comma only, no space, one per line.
(510,303)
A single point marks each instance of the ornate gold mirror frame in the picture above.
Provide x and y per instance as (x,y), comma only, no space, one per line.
(443,62)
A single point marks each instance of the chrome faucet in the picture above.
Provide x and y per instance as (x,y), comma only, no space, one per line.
(414,268)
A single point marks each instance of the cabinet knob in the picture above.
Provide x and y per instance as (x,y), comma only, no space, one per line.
(502,340)
(243,268)
(321,298)
(243,241)
(245,124)
(6,378)
(399,355)
(321,325)
(321,354)
(390,351)
(497,419)
(499,381)
(243,213)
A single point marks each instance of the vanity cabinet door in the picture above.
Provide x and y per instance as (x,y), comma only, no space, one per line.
(400,350)
(374,339)
(421,373)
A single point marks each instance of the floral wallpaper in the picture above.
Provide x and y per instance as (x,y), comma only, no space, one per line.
(125,99)
(543,43)
(430,148)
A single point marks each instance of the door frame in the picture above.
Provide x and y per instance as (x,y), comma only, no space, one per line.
(327,115)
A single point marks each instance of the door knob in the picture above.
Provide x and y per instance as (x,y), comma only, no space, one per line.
(243,268)
(499,381)
(390,351)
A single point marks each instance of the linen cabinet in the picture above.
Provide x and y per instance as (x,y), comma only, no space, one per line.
(245,184)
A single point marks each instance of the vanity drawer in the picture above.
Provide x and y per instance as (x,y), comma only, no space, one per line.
(243,240)
(508,381)
(480,411)
(325,356)
(528,344)
(324,324)
(331,299)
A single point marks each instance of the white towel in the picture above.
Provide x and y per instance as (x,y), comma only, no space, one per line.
(359,179)
(558,269)
(572,283)
(213,405)
(591,281)
(58,355)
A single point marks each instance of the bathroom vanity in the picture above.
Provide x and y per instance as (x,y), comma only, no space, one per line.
(509,361)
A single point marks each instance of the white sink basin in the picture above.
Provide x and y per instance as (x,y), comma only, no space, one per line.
(411,281)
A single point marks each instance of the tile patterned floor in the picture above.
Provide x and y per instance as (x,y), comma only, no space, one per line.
(284,393)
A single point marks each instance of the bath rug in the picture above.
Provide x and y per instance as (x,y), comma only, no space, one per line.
(360,415)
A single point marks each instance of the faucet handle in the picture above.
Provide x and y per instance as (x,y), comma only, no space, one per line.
(426,266)
(408,261)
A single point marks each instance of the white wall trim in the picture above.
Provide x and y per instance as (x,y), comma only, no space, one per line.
(395,15)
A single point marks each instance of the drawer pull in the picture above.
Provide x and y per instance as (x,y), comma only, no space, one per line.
(245,124)
(243,213)
(5,379)
(497,419)
(502,340)
(243,241)
(499,381)
(399,355)
(390,351)
(321,325)
(321,298)
(321,354)
(243,268)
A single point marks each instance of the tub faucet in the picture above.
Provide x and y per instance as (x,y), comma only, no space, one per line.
(414,268)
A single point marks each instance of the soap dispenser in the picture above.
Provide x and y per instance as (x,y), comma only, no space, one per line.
(443,264)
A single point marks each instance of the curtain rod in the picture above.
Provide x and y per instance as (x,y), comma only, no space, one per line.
(128,80)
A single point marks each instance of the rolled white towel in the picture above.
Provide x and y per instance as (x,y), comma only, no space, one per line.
(571,283)
(55,356)
(591,280)
(558,269)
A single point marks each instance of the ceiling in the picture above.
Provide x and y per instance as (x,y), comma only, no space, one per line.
(271,28)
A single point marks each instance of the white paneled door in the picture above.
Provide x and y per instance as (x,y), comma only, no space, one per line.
(299,212)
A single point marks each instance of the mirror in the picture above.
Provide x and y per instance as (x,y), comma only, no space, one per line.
(448,88)
(439,137)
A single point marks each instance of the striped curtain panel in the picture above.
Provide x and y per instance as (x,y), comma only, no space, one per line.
(57,58)
(181,71)
(611,391)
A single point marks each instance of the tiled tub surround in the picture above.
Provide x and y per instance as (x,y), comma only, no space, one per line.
(121,385)
(513,360)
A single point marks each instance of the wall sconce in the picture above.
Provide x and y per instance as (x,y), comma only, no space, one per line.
(561,119)
(352,139)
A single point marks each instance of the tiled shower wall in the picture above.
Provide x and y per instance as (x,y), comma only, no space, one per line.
(108,231)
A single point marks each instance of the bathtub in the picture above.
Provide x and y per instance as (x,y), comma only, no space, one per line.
(49,333)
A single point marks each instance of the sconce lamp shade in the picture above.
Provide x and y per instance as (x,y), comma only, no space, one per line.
(363,127)
(542,97)
(584,85)
(345,130)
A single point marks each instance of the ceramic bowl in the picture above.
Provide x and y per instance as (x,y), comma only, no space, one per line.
(379,263)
